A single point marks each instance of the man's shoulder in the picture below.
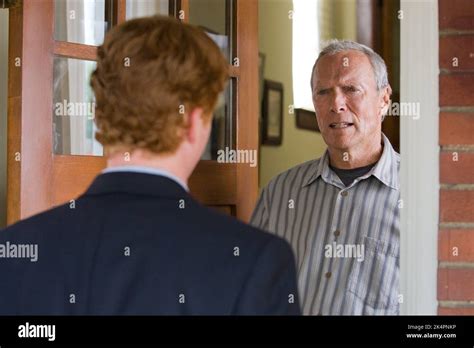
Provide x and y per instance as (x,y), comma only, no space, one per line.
(199,223)
(227,228)
(39,222)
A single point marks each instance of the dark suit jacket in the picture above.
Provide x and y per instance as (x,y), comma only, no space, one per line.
(139,244)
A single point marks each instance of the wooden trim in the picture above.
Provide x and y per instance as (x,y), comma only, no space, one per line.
(224,209)
(184,6)
(69,186)
(13,166)
(247,104)
(75,50)
(367,29)
(391,56)
(222,177)
(109,13)
(119,11)
(234,71)
(14,114)
(231,26)
(29,180)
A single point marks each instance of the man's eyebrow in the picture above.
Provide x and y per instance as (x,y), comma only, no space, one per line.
(350,83)
(321,89)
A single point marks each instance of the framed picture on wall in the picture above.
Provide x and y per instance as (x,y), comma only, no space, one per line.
(272,113)
(306,119)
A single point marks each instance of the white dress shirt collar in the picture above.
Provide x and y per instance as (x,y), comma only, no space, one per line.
(146,170)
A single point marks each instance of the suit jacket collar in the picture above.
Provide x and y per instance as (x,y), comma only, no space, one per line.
(136,183)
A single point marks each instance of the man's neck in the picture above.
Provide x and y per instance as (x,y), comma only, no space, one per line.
(350,159)
(162,162)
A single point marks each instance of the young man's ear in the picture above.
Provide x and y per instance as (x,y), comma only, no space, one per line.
(195,123)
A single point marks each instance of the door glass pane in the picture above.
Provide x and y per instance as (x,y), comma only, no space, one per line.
(213,16)
(73,112)
(221,131)
(73,108)
(143,8)
(80,21)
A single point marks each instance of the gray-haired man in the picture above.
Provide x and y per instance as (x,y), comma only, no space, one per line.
(341,212)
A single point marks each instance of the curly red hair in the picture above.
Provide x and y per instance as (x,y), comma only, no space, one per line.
(150,70)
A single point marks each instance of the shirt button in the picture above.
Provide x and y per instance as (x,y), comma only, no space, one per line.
(337,233)
(344,193)
(328,275)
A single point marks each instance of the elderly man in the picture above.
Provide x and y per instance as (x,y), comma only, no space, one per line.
(341,212)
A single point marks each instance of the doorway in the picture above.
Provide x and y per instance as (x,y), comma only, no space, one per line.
(52,158)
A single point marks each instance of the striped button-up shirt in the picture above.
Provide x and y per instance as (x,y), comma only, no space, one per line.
(346,239)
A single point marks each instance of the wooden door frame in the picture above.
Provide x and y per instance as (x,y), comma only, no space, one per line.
(31,177)
(247,104)
(375,19)
(29,106)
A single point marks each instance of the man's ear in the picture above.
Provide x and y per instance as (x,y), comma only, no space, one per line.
(194,125)
(385,103)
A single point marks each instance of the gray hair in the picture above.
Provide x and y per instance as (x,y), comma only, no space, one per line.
(378,64)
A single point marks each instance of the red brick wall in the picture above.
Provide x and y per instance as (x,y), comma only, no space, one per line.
(456,139)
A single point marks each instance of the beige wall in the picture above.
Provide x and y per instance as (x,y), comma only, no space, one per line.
(338,19)
(345,19)
(275,40)
(209,13)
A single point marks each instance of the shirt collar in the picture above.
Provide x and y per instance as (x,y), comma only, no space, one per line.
(146,170)
(386,169)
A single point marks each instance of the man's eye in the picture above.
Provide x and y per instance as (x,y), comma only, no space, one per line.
(351,89)
(322,92)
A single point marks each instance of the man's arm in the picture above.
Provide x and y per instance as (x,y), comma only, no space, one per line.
(271,288)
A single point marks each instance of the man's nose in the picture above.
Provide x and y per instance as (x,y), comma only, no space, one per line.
(338,103)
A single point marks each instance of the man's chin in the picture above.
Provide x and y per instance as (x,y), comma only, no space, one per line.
(340,143)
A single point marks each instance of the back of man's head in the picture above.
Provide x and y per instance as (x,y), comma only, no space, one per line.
(151,73)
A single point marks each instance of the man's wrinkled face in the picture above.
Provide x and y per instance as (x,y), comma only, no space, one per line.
(348,106)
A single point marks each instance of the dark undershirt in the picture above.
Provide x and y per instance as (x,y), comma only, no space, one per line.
(348,176)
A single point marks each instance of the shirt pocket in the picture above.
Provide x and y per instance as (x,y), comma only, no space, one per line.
(374,282)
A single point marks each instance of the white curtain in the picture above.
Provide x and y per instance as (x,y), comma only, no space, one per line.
(143,8)
(86,25)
